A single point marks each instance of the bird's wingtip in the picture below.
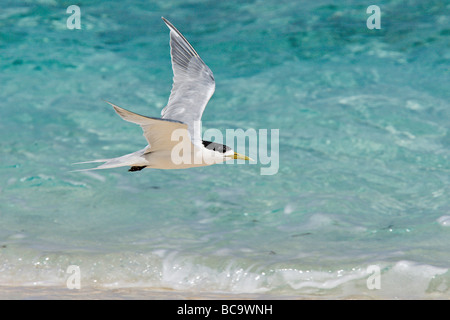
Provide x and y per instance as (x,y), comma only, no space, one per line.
(111,104)
(170,25)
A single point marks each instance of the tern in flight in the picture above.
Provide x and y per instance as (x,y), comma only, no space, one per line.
(174,140)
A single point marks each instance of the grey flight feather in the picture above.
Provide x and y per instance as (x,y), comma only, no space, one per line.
(193,84)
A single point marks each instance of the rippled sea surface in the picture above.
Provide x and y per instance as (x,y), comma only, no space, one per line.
(359,205)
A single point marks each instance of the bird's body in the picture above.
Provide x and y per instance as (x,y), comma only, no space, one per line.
(174,140)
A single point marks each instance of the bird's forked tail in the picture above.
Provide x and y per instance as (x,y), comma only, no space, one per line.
(134,160)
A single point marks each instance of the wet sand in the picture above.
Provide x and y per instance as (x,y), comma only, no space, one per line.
(58,293)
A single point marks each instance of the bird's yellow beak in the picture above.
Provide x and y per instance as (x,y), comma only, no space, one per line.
(241,157)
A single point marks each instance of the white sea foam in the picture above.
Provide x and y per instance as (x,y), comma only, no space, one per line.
(444,221)
(186,273)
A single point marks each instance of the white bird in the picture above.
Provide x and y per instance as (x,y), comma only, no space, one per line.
(174,140)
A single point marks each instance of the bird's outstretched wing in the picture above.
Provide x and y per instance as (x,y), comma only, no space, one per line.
(193,85)
(158,132)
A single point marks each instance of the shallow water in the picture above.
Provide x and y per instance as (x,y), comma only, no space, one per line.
(363,177)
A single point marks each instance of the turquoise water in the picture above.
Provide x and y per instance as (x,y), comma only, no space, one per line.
(364,171)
